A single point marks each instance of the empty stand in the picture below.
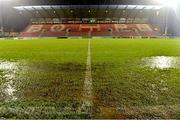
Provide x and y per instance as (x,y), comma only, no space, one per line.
(90,30)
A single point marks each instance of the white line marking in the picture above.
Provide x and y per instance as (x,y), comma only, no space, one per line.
(87,93)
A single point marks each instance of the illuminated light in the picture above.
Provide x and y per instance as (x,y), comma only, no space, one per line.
(5,0)
(157,13)
(107,11)
(89,11)
(169,3)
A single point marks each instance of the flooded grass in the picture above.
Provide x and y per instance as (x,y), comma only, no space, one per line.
(44,79)
(45,82)
(132,80)
(162,62)
(48,81)
(8,71)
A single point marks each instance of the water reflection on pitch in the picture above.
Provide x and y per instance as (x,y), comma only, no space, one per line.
(8,71)
(162,62)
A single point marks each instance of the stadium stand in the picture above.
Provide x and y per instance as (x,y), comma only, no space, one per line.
(90,30)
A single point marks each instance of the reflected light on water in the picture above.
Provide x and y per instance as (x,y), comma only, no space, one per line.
(8,73)
(162,62)
(8,65)
(9,90)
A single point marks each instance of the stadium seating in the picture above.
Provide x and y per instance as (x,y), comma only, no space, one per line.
(90,30)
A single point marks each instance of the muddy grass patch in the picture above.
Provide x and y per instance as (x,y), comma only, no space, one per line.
(139,112)
(119,86)
(153,112)
(46,90)
(51,81)
(57,67)
(38,109)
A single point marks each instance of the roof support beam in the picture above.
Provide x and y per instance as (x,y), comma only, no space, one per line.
(72,12)
(47,12)
(107,9)
(125,9)
(116,9)
(32,13)
(56,12)
(130,13)
(137,12)
(38,12)
(64,13)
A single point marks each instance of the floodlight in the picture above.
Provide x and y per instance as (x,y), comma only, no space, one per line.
(169,3)
(5,0)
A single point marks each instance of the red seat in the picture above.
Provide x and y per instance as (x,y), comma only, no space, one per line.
(114,30)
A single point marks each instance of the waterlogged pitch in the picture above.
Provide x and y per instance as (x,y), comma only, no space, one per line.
(90,78)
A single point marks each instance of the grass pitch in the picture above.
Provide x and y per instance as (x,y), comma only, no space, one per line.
(45,78)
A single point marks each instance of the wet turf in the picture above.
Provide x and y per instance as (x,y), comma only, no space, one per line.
(45,79)
(48,81)
(127,87)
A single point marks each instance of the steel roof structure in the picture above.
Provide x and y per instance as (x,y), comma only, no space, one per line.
(22,11)
(50,7)
(84,11)
(85,2)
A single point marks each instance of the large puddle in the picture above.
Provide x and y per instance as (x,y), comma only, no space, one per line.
(162,62)
(23,80)
(8,71)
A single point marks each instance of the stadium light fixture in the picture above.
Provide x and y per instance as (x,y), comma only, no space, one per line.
(5,0)
(169,3)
